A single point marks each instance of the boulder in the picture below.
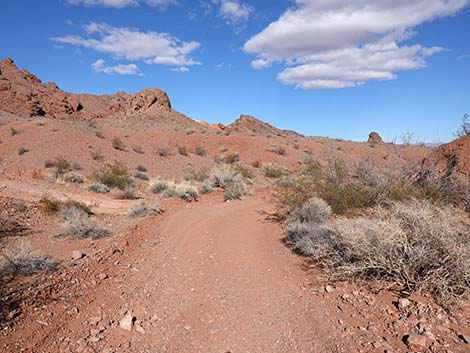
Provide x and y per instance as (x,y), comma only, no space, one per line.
(375,138)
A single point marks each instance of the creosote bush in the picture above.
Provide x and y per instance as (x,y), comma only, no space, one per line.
(72,177)
(22,259)
(416,245)
(113,175)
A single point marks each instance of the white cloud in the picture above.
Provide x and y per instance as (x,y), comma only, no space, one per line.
(120,69)
(233,11)
(344,43)
(130,44)
(180,69)
(163,4)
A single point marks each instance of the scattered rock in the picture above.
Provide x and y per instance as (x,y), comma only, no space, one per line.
(465,338)
(329,289)
(138,327)
(102,276)
(403,303)
(127,322)
(416,342)
(78,254)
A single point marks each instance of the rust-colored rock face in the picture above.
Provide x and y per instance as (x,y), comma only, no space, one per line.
(24,94)
(249,124)
(451,158)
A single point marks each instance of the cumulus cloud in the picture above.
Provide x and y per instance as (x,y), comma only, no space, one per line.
(120,69)
(344,43)
(130,44)
(233,11)
(123,3)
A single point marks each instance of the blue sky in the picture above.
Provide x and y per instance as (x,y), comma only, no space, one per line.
(338,68)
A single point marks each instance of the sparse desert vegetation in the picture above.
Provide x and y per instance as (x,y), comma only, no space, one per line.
(113,175)
(79,224)
(22,260)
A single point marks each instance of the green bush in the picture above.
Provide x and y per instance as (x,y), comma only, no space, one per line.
(113,175)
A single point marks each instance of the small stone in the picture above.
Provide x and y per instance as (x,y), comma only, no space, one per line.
(416,342)
(329,289)
(403,303)
(94,339)
(127,322)
(94,320)
(465,338)
(78,254)
(102,276)
(138,327)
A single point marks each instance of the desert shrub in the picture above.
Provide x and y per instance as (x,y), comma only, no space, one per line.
(54,206)
(234,192)
(98,188)
(76,166)
(78,224)
(61,165)
(118,144)
(14,132)
(141,168)
(99,134)
(184,191)
(115,175)
(200,151)
(256,164)
(278,150)
(72,177)
(417,245)
(97,156)
(141,176)
(206,188)
(158,185)
(22,259)
(140,209)
(199,174)
(22,151)
(128,193)
(314,210)
(244,172)
(183,150)
(274,172)
(163,151)
(344,189)
(138,149)
(224,176)
(464,129)
(232,158)
(48,164)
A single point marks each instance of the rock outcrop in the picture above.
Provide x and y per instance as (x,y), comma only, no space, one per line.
(375,138)
(24,94)
(249,124)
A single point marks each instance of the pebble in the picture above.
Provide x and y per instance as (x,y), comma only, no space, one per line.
(127,322)
(403,303)
(78,254)
(329,289)
(417,342)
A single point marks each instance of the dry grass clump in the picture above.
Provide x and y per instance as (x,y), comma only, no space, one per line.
(200,151)
(113,175)
(416,245)
(183,190)
(72,177)
(98,188)
(78,224)
(278,150)
(206,188)
(23,260)
(138,149)
(199,174)
(230,179)
(274,172)
(256,164)
(314,210)
(54,206)
(140,209)
(183,150)
(118,144)
(129,193)
(163,151)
